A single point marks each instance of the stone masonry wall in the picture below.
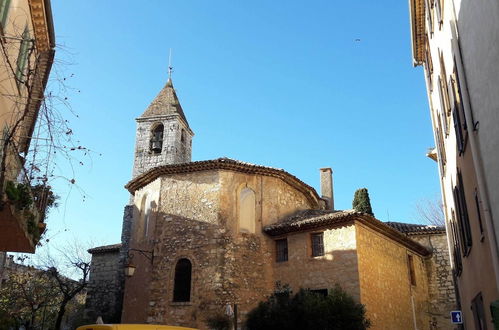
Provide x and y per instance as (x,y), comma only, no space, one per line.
(385,287)
(174,150)
(197,219)
(442,298)
(104,288)
(337,266)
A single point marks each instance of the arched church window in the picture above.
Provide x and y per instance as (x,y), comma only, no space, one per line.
(156,144)
(182,136)
(247,205)
(182,281)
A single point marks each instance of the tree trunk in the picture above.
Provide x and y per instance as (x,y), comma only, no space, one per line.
(60,314)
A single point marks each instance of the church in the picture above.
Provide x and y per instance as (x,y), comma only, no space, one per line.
(200,236)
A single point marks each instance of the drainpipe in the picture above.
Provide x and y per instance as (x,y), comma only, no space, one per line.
(475,151)
(414,313)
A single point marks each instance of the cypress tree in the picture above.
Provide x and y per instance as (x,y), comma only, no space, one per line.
(361,201)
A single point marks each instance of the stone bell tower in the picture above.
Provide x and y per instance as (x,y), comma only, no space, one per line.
(163,134)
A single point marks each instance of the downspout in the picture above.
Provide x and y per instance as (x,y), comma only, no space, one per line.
(475,151)
(413,312)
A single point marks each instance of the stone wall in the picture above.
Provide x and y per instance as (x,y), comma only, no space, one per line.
(442,298)
(385,286)
(174,150)
(197,219)
(104,287)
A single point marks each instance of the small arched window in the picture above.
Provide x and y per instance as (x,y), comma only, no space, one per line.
(247,204)
(156,144)
(182,281)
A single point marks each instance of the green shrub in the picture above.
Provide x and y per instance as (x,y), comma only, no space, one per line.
(19,194)
(308,310)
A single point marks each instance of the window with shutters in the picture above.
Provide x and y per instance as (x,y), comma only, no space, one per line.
(317,241)
(439,4)
(281,246)
(444,94)
(156,142)
(182,281)
(442,156)
(22,58)
(429,65)
(4,12)
(462,215)
(429,9)
(479,312)
(479,214)
(456,249)
(458,113)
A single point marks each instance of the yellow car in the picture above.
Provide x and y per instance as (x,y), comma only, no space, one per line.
(131,327)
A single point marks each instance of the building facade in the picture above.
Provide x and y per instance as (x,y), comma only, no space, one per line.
(27,41)
(457,43)
(204,235)
(223,232)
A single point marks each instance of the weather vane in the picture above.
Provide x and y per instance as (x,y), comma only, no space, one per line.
(170,68)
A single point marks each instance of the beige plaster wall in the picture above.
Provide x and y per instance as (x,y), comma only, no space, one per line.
(337,266)
(385,288)
(12,100)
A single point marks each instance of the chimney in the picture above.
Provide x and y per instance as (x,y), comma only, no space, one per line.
(327,187)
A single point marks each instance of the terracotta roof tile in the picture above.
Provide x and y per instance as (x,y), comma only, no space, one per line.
(416,229)
(105,248)
(315,219)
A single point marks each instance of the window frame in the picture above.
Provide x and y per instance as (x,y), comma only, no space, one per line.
(281,248)
(4,13)
(462,215)
(478,310)
(22,56)
(479,214)
(317,246)
(440,12)
(456,249)
(458,113)
(411,270)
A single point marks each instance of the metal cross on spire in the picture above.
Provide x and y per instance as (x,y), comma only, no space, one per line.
(170,68)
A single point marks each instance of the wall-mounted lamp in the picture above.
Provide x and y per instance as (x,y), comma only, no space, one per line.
(129,267)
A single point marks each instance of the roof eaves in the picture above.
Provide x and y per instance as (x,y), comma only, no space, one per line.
(105,248)
(417,24)
(223,164)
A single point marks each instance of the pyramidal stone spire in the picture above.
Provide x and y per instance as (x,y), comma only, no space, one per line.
(166,103)
(163,134)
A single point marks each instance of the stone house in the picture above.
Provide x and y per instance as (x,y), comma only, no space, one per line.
(105,284)
(206,234)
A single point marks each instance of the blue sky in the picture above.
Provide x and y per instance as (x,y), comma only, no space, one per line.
(276,83)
